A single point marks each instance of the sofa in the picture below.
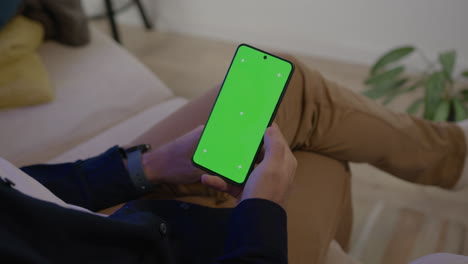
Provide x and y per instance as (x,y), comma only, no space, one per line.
(104,97)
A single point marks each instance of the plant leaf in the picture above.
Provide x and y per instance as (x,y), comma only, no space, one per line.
(383,88)
(442,111)
(385,76)
(401,90)
(460,109)
(465,73)
(391,56)
(392,95)
(396,91)
(411,88)
(447,59)
(434,87)
(415,85)
(414,107)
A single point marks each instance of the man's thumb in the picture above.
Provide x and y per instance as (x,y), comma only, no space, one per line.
(269,138)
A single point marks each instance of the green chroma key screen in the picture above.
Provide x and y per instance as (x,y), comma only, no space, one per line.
(246,103)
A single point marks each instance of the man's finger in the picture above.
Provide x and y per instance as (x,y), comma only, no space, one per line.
(221,185)
(214,182)
(271,141)
(261,155)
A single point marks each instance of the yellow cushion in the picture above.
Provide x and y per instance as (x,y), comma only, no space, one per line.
(24,82)
(23,77)
(20,36)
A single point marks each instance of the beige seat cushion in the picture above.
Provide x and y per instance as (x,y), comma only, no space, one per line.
(336,255)
(440,258)
(123,133)
(97,86)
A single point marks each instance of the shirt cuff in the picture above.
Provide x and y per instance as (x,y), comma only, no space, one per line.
(107,179)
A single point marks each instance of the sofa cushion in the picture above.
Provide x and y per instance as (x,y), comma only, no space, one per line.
(19,37)
(123,133)
(24,82)
(97,86)
(23,77)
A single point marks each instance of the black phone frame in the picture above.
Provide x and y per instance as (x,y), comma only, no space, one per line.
(269,123)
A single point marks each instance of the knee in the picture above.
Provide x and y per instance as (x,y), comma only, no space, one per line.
(291,58)
(302,72)
(288,56)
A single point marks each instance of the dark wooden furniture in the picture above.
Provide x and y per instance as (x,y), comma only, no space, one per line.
(112,22)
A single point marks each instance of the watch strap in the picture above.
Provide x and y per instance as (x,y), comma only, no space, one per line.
(137,174)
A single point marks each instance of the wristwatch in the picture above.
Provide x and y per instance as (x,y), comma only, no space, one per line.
(133,155)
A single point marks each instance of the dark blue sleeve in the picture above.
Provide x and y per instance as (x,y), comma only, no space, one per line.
(95,183)
(257,234)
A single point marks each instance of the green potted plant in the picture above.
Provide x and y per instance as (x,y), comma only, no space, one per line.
(443,100)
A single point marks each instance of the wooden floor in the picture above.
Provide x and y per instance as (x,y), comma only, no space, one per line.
(394,221)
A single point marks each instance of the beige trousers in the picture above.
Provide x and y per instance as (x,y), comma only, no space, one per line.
(327,126)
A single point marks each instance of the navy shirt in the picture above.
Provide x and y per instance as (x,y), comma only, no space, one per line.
(142,231)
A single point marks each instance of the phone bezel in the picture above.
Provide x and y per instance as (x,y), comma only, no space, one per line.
(269,122)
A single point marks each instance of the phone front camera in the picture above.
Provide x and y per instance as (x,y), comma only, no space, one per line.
(264,57)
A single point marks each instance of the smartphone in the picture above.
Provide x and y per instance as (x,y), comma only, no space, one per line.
(246,105)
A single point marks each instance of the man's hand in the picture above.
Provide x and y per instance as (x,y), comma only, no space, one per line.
(172,162)
(271,179)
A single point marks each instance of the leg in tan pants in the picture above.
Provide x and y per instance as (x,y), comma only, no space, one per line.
(327,126)
(320,116)
(319,207)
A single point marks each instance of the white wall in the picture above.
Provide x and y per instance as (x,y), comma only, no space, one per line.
(93,7)
(352,30)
